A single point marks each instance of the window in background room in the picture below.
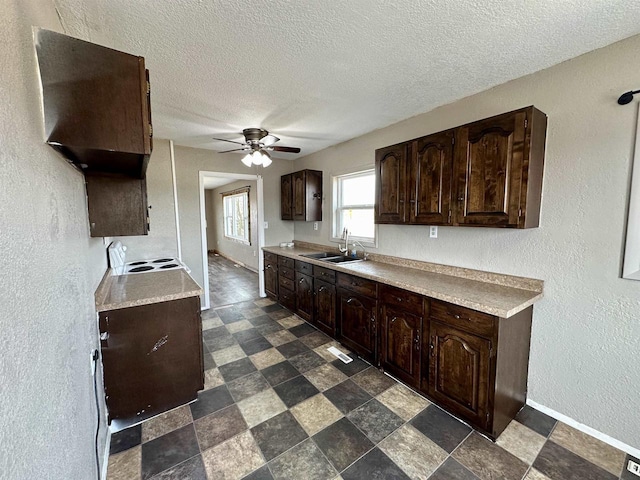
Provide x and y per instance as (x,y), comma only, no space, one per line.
(353,195)
(236,215)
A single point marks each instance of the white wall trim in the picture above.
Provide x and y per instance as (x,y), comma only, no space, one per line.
(631,266)
(175,197)
(203,229)
(585,428)
(105,461)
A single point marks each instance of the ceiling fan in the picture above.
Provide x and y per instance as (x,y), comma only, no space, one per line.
(258,143)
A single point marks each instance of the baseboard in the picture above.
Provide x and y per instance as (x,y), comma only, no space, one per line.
(586,429)
(105,460)
(243,265)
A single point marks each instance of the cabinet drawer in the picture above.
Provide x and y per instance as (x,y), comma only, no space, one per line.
(287,299)
(286,262)
(325,274)
(408,301)
(286,268)
(463,318)
(304,267)
(270,258)
(358,285)
(287,283)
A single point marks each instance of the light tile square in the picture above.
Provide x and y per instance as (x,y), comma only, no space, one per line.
(403,402)
(239,326)
(521,441)
(266,358)
(212,378)
(228,355)
(289,322)
(125,465)
(165,423)
(233,459)
(280,338)
(264,302)
(316,413)
(325,376)
(260,407)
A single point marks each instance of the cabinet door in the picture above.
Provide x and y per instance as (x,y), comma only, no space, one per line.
(271,278)
(325,307)
(400,353)
(430,179)
(299,195)
(391,184)
(286,197)
(357,327)
(489,161)
(304,295)
(460,372)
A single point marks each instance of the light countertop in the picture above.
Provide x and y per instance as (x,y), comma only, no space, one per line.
(491,293)
(123,291)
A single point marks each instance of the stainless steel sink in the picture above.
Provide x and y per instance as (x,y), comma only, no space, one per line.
(341,259)
(321,255)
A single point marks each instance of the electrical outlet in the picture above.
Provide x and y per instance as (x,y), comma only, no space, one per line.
(433,232)
(315,225)
(633,467)
(94,358)
(266,225)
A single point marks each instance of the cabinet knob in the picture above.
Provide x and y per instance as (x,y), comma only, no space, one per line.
(350,300)
(398,299)
(394,319)
(373,319)
(301,280)
(322,289)
(461,199)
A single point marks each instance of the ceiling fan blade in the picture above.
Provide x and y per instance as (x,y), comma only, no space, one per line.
(223,140)
(269,140)
(285,149)
(235,150)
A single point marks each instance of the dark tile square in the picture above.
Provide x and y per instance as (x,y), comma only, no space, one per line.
(302,330)
(292,349)
(440,427)
(215,332)
(557,462)
(375,420)
(342,443)
(245,336)
(295,391)
(280,314)
(278,434)
(626,474)
(280,372)
(210,401)
(315,339)
(192,469)
(255,346)
(221,342)
(237,369)
(274,307)
(219,426)
(536,420)
(207,314)
(269,327)
(347,396)
(247,386)
(375,465)
(305,461)
(488,460)
(209,363)
(452,470)
(262,473)
(261,320)
(351,368)
(307,361)
(169,450)
(230,315)
(125,439)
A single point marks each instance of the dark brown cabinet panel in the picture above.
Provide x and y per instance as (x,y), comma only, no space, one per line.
(391,180)
(96,104)
(460,372)
(357,323)
(286,197)
(401,346)
(301,196)
(117,205)
(271,275)
(304,296)
(152,357)
(430,179)
(325,306)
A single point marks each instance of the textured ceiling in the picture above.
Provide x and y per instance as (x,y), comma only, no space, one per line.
(319,73)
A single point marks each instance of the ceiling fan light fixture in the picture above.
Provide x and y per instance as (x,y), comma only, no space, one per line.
(266,159)
(247,160)
(257,158)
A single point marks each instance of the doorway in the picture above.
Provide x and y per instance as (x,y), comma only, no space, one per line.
(237,245)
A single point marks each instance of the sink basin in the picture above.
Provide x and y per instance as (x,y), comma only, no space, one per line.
(341,259)
(321,255)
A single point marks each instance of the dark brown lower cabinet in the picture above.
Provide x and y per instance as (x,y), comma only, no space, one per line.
(271,275)
(325,306)
(357,327)
(400,349)
(304,296)
(460,371)
(152,357)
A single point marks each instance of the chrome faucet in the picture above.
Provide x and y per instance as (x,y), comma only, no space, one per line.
(365,255)
(345,237)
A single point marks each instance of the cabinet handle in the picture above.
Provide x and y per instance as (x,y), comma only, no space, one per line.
(398,299)
(459,317)
(268,266)
(301,280)
(104,339)
(322,289)
(461,199)
(373,319)
(394,319)
(350,300)
(417,342)
(412,201)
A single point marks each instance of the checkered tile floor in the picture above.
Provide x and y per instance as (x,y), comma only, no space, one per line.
(277,405)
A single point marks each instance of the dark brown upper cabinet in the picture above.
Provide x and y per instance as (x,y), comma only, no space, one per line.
(486,173)
(301,196)
(96,104)
(498,170)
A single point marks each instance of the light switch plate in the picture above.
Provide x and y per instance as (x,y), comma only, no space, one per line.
(433,232)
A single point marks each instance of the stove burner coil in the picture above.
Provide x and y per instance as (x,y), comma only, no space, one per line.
(141,269)
(163,260)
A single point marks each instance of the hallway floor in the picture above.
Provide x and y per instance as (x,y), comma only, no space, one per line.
(278,405)
(229,283)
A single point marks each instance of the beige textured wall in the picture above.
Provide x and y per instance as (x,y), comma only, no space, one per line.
(161,240)
(246,254)
(50,270)
(211,220)
(189,162)
(586,331)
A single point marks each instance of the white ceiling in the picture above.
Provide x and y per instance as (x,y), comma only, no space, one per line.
(316,73)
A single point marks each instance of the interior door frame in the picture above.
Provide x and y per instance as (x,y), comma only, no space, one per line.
(203,228)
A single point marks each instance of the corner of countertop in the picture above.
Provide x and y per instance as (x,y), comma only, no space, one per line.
(103,288)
